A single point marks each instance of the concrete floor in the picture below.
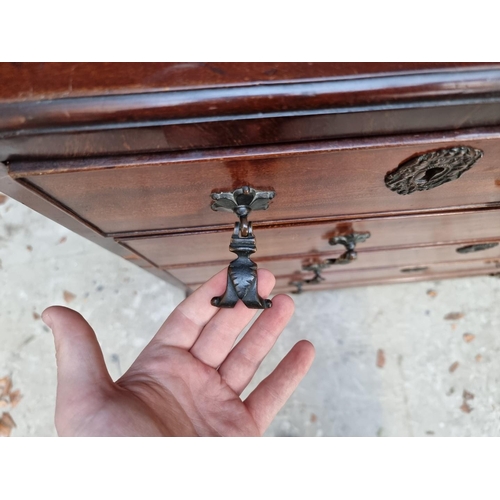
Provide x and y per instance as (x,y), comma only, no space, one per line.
(425,361)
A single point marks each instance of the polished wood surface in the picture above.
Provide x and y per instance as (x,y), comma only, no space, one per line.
(161,136)
(59,214)
(437,270)
(341,179)
(386,275)
(246,100)
(407,258)
(81,110)
(30,81)
(128,155)
(312,239)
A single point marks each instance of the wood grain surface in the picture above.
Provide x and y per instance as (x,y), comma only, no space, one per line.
(312,239)
(33,81)
(127,155)
(385,275)
(59,214)
(82,110)
(407,258)
(339,179)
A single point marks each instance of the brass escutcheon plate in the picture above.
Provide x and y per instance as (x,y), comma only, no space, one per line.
(430,170)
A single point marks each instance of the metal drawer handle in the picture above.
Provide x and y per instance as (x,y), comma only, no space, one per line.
(431,170)
(418,269)
(316,268)
(299,285)
(476,248)
(349,241)
(242,272)
(315,280)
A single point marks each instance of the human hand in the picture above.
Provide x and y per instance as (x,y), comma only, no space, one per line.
(188,380)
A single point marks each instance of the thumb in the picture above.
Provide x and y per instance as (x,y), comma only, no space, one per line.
(80,363)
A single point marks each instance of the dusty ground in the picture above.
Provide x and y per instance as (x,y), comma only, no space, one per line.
(401,360)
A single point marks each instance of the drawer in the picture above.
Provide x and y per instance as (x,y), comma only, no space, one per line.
(340,179)
(410,261)
(341,278)
(312,239)
(132,167)
(432,271)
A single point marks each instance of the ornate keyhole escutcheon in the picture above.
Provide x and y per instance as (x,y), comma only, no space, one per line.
(430,170)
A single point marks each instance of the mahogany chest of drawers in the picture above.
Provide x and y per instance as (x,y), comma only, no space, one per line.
(396,166)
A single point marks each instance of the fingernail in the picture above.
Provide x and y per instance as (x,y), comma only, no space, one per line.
(47,319)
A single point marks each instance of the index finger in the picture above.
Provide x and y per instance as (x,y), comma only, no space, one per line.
(185,324)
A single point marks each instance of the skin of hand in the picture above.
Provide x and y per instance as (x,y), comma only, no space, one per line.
(188,380)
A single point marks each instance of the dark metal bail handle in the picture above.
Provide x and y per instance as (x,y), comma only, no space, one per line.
(479,247)
(316,268)
(299,285)
(242,272)
(315,280)
(244,226)
(349,241)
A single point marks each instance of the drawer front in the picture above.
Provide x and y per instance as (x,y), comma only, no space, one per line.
(363,277)
(386,276)
(409,262)
(312,239)
(317,180)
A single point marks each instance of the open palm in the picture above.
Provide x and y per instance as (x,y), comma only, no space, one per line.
(189,378)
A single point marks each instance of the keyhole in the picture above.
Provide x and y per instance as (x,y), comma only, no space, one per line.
(428,175)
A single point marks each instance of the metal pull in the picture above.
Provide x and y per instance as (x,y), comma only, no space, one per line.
(315,280)
(242,272)
(299,285)
(476,248)
(349,241)
(316,268)
(418,269)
